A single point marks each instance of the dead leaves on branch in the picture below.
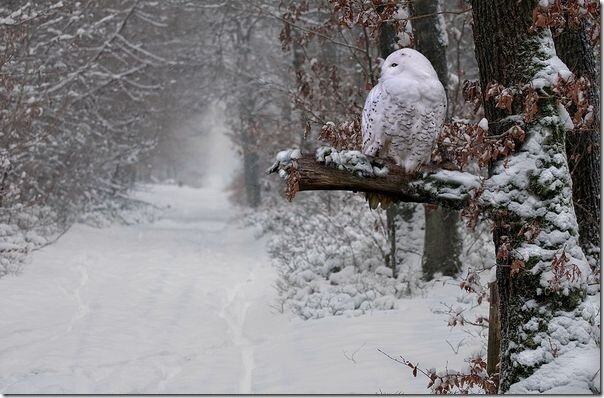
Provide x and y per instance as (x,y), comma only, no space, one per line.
(473,285)
(569,14)
(472,93)
(292,183)
(503,96)
(563,270)
(453,381)
(530,231)
(346,135)
(530,104)
(573,94)
(473,210)
(462,143)
(517,266)
(369,16)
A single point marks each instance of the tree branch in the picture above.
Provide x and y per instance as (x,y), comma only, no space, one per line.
(345,170)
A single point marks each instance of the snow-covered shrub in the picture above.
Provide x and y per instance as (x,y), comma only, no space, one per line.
(13,249)
(330,251)
(23,229)
(119,210)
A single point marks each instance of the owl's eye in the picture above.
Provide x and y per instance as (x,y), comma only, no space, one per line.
(393,65)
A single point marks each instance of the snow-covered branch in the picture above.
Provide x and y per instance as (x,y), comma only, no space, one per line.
(346,170)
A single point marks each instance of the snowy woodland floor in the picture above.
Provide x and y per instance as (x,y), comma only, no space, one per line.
(185,305)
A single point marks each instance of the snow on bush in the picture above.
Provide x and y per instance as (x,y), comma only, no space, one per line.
(23,229)
(13,248)
(119,210)
(330,251)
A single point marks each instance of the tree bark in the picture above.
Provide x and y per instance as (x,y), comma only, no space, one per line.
(451,189)
(430,36)
(387,45)
(583,147)
(251,171)
(510,53)
(442,243)
(494,342)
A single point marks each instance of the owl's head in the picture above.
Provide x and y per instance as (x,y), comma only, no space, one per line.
(407,61)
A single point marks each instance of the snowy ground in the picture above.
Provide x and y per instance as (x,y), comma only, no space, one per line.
(184,305)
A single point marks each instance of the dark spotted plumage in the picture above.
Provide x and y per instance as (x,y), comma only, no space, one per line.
(405,111)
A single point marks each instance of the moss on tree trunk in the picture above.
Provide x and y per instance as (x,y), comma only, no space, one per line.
(524,194)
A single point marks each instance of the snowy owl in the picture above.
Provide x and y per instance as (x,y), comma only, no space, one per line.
(403,113)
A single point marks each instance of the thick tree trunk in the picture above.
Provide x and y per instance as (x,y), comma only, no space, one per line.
(442,243)
(387,43)
(430,35)
(530,304)
(583,147)
(251,171)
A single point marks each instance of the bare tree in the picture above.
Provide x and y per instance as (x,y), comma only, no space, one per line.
(442,243)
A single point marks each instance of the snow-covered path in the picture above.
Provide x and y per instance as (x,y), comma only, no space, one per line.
(183,305)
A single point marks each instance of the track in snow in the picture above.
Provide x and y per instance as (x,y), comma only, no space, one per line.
(183,305)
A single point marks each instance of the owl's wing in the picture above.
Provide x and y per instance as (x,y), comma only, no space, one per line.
(434,101)
(371,121)
(416,108)
(431,109)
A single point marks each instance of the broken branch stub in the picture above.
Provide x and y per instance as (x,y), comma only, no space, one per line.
(330,169)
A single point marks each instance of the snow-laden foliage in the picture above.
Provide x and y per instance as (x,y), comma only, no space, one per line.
(26,229)
(22,230)
(331,254)
(125,211)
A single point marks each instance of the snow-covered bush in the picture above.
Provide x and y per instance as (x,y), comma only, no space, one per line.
(119,210)
(13,249)
(331,254)
(23,229)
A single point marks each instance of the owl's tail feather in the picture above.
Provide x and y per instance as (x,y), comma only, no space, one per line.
(376,199)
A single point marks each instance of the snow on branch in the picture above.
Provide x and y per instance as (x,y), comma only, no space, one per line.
(347,170)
